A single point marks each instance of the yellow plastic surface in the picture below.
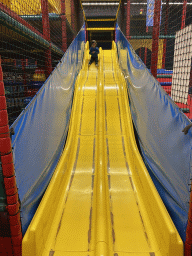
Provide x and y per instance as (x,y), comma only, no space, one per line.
(101,200)
(105,29)
(100,19)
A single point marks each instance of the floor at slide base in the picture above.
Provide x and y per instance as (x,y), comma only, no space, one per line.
(86,215)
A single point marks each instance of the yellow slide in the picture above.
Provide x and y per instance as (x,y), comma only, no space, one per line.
(101,200)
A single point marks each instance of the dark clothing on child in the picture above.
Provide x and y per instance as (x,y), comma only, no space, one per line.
(93,59)
(94,56)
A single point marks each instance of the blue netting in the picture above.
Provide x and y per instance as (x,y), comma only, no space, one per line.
(159,123)
(41,130)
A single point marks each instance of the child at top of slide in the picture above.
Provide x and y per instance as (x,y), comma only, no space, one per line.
(94,51)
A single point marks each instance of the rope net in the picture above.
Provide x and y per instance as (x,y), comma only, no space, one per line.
(34,36)
(164,44)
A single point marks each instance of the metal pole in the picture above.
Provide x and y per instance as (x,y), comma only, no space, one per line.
(155,37)
(165,33)
(145,56)
(45,19)
(123,18)
(184,14)
(46,34)
(78,16)
(23,63)
(122,15)
(73,16)
(128,20)
(87,36)
(140,52)
(64,26)
(48,62)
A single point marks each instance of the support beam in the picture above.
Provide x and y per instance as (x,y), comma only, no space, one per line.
(46,33)
(155,37)
(128,20)
(64,26)
(73,16)
(145,56)
(122,15)
(184,14)
(165,33)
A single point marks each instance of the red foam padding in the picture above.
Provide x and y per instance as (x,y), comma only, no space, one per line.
(8,170)
(9,182)
(4,131)
(17,250)
(15,219)
(15,230)
(11,191)
(13,208)
(3,103)
(1,74)
(189,232)
(4,225)
(5,145)
(6,246)
(17,240)
(7,159)
(190,215)
(188,249)
(12,199)
(2,90)
(190,208)
(3,118)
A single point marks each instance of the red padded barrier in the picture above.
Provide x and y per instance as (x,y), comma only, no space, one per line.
(188,233)
(11,191)
(3,103)
(188,249)
(3,118)
(17,250)
(2,90)
(17,239)
(13,208)
(15,219)
(8,170)
(1,74)
(4,225)
(12,199)
(9,182)
(4,131)
(5,145)
(6,246)
(16,230)
(7,159)
(10,221)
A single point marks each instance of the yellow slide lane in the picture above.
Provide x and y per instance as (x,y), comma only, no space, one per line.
(101,200)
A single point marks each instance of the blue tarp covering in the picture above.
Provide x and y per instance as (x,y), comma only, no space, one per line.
(41,130)
(165,149)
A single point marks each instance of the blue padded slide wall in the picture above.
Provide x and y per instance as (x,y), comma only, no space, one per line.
(159,123)
(41,130)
